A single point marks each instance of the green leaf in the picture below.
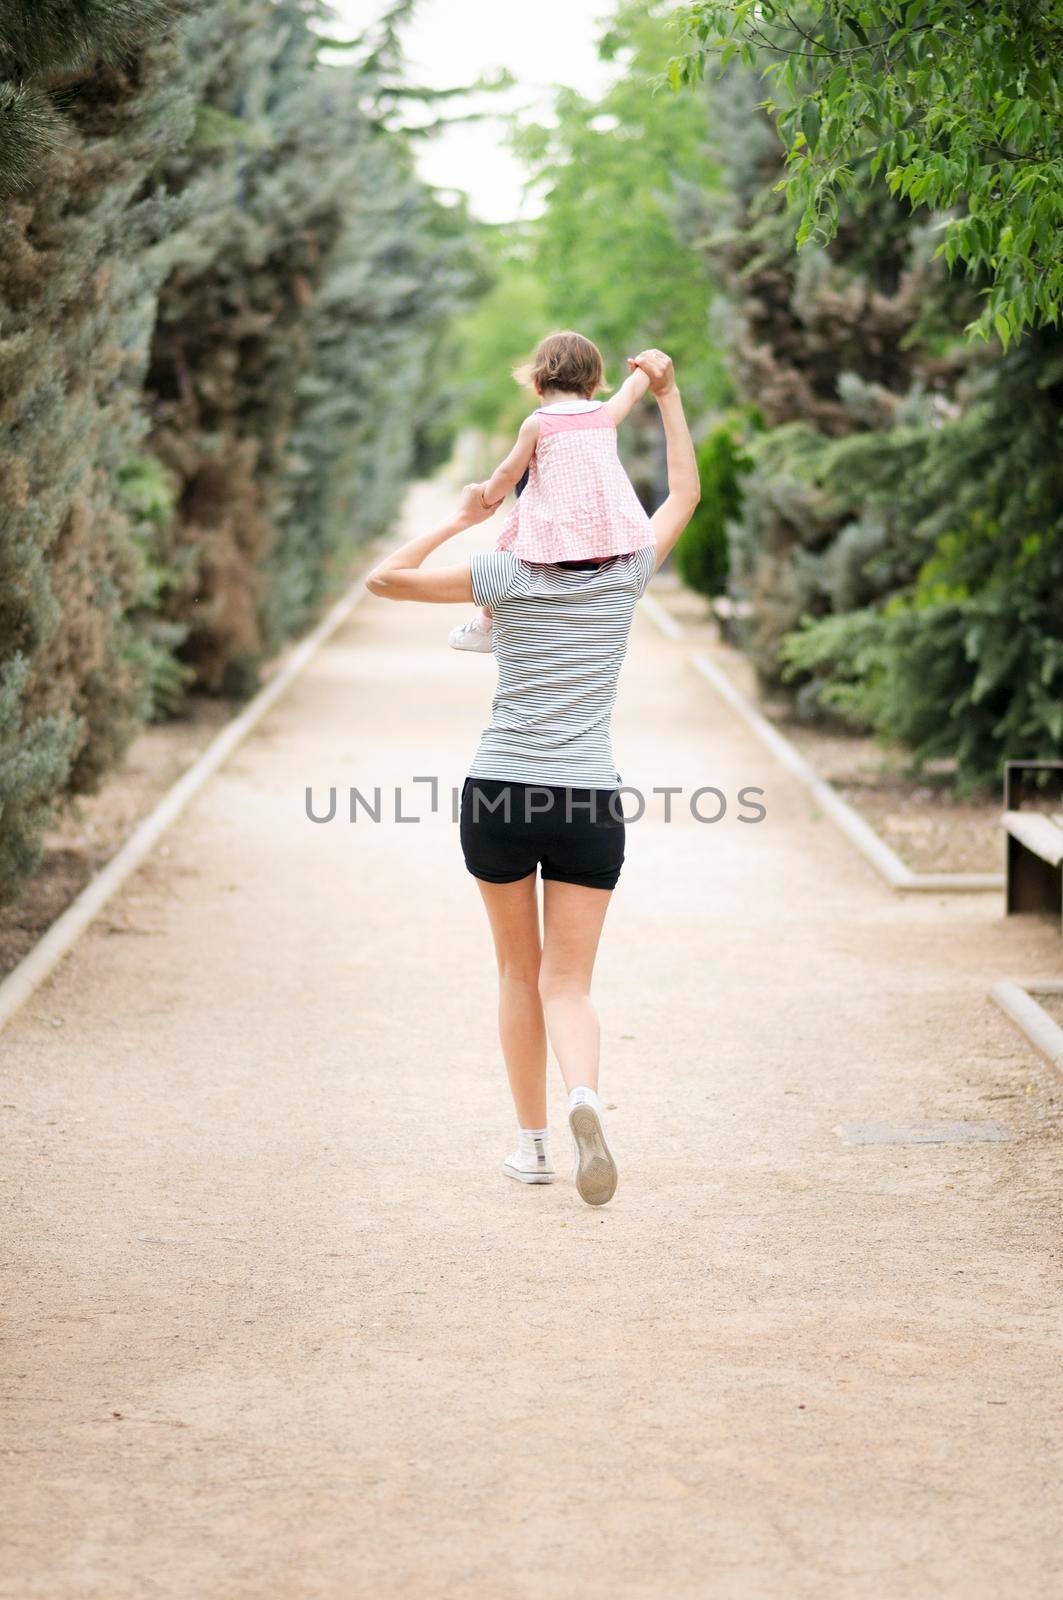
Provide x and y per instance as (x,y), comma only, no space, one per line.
(810,121)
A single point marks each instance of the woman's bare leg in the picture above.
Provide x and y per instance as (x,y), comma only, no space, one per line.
(513,911)
(572,924)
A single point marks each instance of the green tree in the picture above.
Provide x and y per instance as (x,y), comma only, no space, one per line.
(963,657)
(610,249)
(294,328)
(702,556)
(827,344)
(45,52)
(960,106)
(374,403)
(221,293)
(494,336)
(103,94)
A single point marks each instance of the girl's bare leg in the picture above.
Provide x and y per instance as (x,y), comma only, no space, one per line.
(572,924)
(513,911)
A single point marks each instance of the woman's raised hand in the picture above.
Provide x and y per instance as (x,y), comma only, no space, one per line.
(658,368)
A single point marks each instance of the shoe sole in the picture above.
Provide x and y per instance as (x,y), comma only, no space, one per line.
(596,1175)
(527,1177)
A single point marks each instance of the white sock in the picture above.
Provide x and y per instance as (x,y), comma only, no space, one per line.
(584,1096)
(529,1137)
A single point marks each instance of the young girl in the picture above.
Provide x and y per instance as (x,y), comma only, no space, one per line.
(577,502)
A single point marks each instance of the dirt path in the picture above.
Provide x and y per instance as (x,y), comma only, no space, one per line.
(278,1328)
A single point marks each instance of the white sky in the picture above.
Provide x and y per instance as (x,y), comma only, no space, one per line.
(450,42)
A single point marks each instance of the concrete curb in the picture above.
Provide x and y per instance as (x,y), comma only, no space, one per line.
(1014,996)
(662,619)
(50,949)
(859,832)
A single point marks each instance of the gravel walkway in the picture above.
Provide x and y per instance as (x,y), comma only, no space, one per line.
(278,1328)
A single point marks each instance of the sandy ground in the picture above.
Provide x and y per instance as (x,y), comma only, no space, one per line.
(93,827)
(277,1326)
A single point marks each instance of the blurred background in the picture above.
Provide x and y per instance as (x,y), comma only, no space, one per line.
(266,261)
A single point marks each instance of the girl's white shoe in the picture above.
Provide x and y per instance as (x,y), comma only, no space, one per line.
(595,1168)
(476,634)
(530,1162)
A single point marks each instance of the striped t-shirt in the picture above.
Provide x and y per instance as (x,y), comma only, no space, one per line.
(560,637)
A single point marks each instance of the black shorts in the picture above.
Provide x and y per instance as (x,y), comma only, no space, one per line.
(507,829)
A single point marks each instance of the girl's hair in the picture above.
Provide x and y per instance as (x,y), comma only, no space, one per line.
(565,361)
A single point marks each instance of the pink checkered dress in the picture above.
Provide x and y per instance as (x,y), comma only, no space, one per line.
(579,504)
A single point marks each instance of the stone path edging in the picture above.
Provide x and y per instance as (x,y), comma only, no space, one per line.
(40,962)
(1015,997)
(857,830)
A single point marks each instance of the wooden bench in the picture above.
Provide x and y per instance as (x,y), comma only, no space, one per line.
(1033,821)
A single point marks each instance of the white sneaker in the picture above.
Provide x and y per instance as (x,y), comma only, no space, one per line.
(530,1162)
(595,1168)
(476,634)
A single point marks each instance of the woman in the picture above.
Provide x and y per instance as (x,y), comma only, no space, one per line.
(543,790)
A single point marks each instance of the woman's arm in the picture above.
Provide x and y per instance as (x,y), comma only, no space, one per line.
(399,575)
(512,469)
(684,486)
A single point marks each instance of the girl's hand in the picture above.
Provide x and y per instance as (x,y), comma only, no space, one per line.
(658,368)
(472,506)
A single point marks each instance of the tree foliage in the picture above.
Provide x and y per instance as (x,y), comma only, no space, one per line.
(826,344)
(46,51)
(702,555)
(78,290)
(293,330)
(221,293)
(613,251)
(962,657)
(898,534)
(493,337)
(959,106)
(610,248)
